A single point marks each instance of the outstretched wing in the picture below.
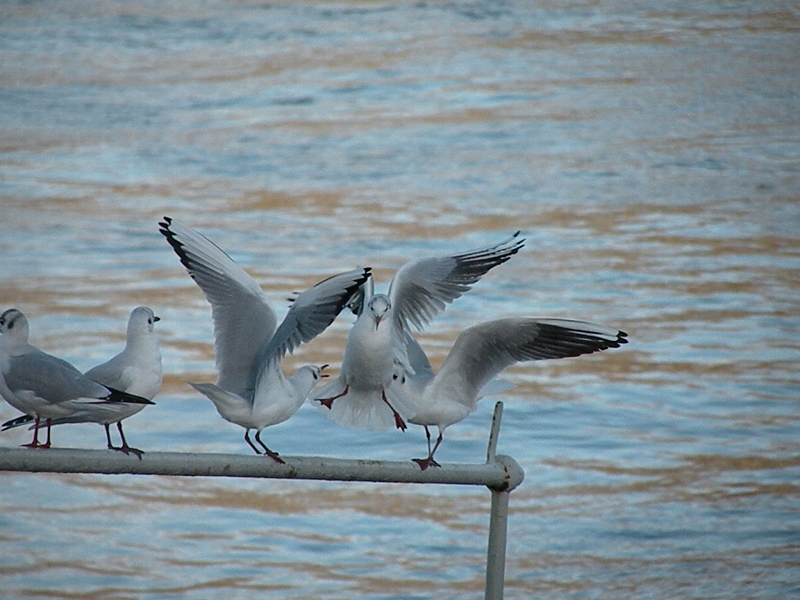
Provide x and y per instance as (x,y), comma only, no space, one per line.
(244,321)
(312,312)
(482,352)
(422,288)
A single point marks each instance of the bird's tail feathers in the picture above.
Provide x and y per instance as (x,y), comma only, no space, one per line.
(360,410)
(222,399)
(123,397)
(17,422)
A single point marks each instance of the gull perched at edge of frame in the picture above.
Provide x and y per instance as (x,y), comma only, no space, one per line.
(252,390)
(136,370)
(480,354)
(44,386)
(362,396)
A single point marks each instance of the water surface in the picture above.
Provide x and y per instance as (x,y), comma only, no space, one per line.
(650,153)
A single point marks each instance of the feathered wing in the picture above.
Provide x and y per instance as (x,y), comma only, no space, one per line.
(52,379)
(244,321)
(422,288)
(483,351)
(112,374)
(422,372)
(312,312)
(57,381)
(361,296)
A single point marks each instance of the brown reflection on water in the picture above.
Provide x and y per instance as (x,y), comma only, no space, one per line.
(696,478)
(282,497)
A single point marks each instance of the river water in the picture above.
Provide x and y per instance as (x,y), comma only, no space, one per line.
(649,152)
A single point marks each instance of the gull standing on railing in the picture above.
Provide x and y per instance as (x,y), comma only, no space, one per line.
(136,370)
(363,396)
(480,354)
(252,390)
(44,386)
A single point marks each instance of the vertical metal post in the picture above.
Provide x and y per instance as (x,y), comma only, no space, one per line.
(496,556)
(498,521)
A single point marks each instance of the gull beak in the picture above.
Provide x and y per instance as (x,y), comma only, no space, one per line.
(322,368)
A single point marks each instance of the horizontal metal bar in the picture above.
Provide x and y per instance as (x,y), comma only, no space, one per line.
(503,474)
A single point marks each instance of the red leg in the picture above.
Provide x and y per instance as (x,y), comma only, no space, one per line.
(398,420)
(108,438)
(247,439)
(35,442)
(46,445)
(273,455)
(328,402)
(125,448)
(424,463)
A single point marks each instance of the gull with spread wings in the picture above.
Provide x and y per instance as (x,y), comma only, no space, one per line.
(480,354)
(252,390)
(363,395)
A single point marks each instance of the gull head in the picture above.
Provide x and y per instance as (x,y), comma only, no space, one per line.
(14,324)
(379,306)
(142,319)
(306,378)
(317,372)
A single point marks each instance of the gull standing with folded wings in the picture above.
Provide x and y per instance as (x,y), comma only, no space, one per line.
(480,354)
(136,370)
(44,386)
(362,396)
(252,391)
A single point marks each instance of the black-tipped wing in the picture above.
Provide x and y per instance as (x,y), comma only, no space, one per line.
(312,312)
(422,288)
(55,380)
(51,379)
(482,352)
(18,422)
(244,321)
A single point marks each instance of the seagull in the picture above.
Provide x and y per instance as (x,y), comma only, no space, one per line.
(362,396)
(44,386)
(136,370)
(480,354)
(252,390)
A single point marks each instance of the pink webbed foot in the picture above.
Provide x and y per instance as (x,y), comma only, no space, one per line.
(424,463)
(398,420)
(328,402)
(35,442)
(273,455)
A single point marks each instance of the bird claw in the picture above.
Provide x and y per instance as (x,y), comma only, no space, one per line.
(36,445)
(398,421)
(274,456)
(424,463)
(128,450)
(326,402)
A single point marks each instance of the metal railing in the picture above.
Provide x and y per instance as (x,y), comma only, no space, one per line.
(501,474)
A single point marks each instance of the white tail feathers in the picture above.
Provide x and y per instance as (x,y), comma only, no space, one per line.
(365,410)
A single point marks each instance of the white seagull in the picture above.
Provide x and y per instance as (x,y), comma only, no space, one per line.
(480,354)
(362,396)
(252,390)
(44,386)
(136,370)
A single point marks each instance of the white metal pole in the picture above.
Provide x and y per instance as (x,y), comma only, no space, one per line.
(504,472)
(496,554)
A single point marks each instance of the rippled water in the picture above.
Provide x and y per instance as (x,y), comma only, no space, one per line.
(650,152)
